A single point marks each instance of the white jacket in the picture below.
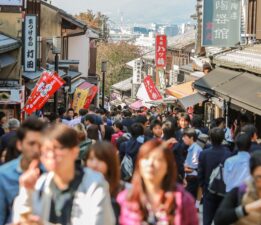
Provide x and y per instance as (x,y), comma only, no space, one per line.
(91,205)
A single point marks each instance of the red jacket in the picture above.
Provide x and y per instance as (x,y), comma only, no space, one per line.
(114,137)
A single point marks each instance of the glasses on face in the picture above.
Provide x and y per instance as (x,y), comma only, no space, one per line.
(56,150)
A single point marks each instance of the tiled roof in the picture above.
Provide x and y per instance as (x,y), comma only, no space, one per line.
(248,59)
(124,85)
(181,41)
(8,44)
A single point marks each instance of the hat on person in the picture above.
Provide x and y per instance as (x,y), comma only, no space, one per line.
(207,66)
(13,123)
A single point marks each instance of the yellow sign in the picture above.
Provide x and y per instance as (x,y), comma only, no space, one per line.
(79,99)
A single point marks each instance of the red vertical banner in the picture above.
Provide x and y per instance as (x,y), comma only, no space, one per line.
(46,86)
(92,93)
(151,89)
(161,51)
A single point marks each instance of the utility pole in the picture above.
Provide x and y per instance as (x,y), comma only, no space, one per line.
(103,70)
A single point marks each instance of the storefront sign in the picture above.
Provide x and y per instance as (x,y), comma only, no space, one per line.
(9,83)
(46,86)
(162,79)
(151,89)
(30,44)
(161,51)
(221,23)
(137,72)
(11,2)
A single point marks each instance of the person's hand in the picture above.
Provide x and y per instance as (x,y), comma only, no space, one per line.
(30,220)
(29,177)
(169,143)
(253,207)
(185,183)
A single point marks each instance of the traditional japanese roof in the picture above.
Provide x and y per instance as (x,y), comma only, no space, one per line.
(183,40)
(124,85)
(248,59)
(8,44)
(67,16)
(225,83)
(181,90)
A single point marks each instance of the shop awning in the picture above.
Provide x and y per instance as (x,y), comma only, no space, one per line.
(181,90)
(6,60)
(243,91)
(214,79)
(192,100)
(85,85)
(136,105)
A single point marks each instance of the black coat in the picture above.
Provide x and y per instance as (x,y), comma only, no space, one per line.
(209,159)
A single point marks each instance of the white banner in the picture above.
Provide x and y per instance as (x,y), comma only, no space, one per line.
(11,2)
(162,79)
(30,44)
(137,72)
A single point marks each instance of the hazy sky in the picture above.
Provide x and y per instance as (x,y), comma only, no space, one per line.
(161,11)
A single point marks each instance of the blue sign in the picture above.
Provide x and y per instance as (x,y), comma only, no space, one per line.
(221,23)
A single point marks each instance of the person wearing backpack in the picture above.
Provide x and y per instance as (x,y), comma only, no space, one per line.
(209,160)
(242,204)
(129,149)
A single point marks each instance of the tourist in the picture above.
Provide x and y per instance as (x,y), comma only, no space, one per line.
(155,198)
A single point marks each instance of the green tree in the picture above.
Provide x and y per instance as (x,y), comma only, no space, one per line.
(96,21)
(117,55)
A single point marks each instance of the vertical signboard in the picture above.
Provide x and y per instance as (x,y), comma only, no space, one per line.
(137,72)
(162,79)
(161,51)
(221,23)
(30,43)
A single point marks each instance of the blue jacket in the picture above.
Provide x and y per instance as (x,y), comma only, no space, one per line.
(9,187)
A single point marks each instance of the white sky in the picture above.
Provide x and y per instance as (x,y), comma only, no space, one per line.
(160,11)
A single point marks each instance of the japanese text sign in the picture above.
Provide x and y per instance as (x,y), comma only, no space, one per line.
(162,79)
(161,51)
(46,86)
(30,44)
(151,89)
(137,71)
(221,22)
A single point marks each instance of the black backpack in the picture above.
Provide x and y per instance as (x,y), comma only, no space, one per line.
(216,182)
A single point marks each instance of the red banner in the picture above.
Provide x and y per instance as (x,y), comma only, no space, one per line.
(151,89)
(161,50)
(46,86)
(92,93)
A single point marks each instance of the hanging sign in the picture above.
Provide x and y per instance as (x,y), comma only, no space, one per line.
(30,44)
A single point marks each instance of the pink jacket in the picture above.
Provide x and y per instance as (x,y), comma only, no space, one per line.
(185,214)
(114,137)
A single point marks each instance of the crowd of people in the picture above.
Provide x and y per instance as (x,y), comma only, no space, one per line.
(128,167)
